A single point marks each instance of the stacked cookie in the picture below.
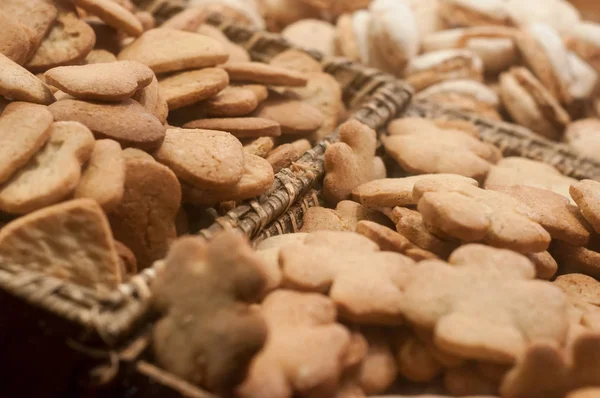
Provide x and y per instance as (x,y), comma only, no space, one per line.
(126,123)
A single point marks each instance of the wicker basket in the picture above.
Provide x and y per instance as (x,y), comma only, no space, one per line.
(88,326)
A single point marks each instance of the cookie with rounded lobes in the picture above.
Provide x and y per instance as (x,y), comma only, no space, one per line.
(204,292)
(393,33)
(16,83)
(415,358)
(586,193)
(68,42)
(552,211)
(409,223)
(231,102)
(126,122)
(545,370)
(155,49)
(241,12)
(472,214)
(99,57)
(477,319)
(495,45)
(584,294)
(294,116)
(484,100)
(305,351)
(583,40)
(187,88)
(391,241)
(24,129)
(144,220)
(151,99)
(473,378)
(312,34)
(15,40)
(103,178)
(236,52)
(113,81)
(457,13)
(280,13)
(36,16)
(521,171)
(576,259)
(421,147)
(259,147)
(584,136)
(203,158)
(564,74)
(240,127)
(368,295)
(296,60)
(545,265)
(345,217)
(392,192)
(113,14)
(349,163)
(346,38)
(285,155)
(71,241)
(261,92)
(52,174)
(437,66)
(261,73)
(257,178)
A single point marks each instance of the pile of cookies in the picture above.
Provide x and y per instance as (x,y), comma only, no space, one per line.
(472,276)
(113,132)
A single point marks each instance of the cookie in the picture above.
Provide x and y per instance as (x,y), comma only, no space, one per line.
(530,104)
(370,295)
(103,178)
(52,174)
(71,241)
(461,304)
(127,260)
(552,211)
(144,220)
(305,351)
(437,66)
(311,33)
(231,102)
(259,147)
(545,265)
(113,81)
(187,88)
(204,292)
(392,192)
(126,122)
(296,60)
(151,99)
(15,41)
(69,41)
(285,155)
(472,214)
(113,14)
(345,217)
(581,40)
(258,177)
(203,158)
(421,147)
(349,163)
(260,73)
(241,127)
(586,194)
(236,52)
(583,136)
(155,49)
(24,128)
(294,116)
(99,57)
(576,259)
(474,13)
(16,83)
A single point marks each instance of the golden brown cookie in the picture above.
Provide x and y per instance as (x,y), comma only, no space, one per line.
(187,88)
(258,177)
(100,56)
(296,60)
(19,84)
(313,34)
(203,158)
(24,128)
(578,259)
(240,127)
(103,178)
(155,48)
(259,147)
(144,220)
(113,14)
(236,52)
(69,41)
(295,117)
(260,73)
(151,99)
(113,81)
(71,241)
(52,174)
(586,194)
(126,122)
(15,39)
(285,155)
(231,102)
